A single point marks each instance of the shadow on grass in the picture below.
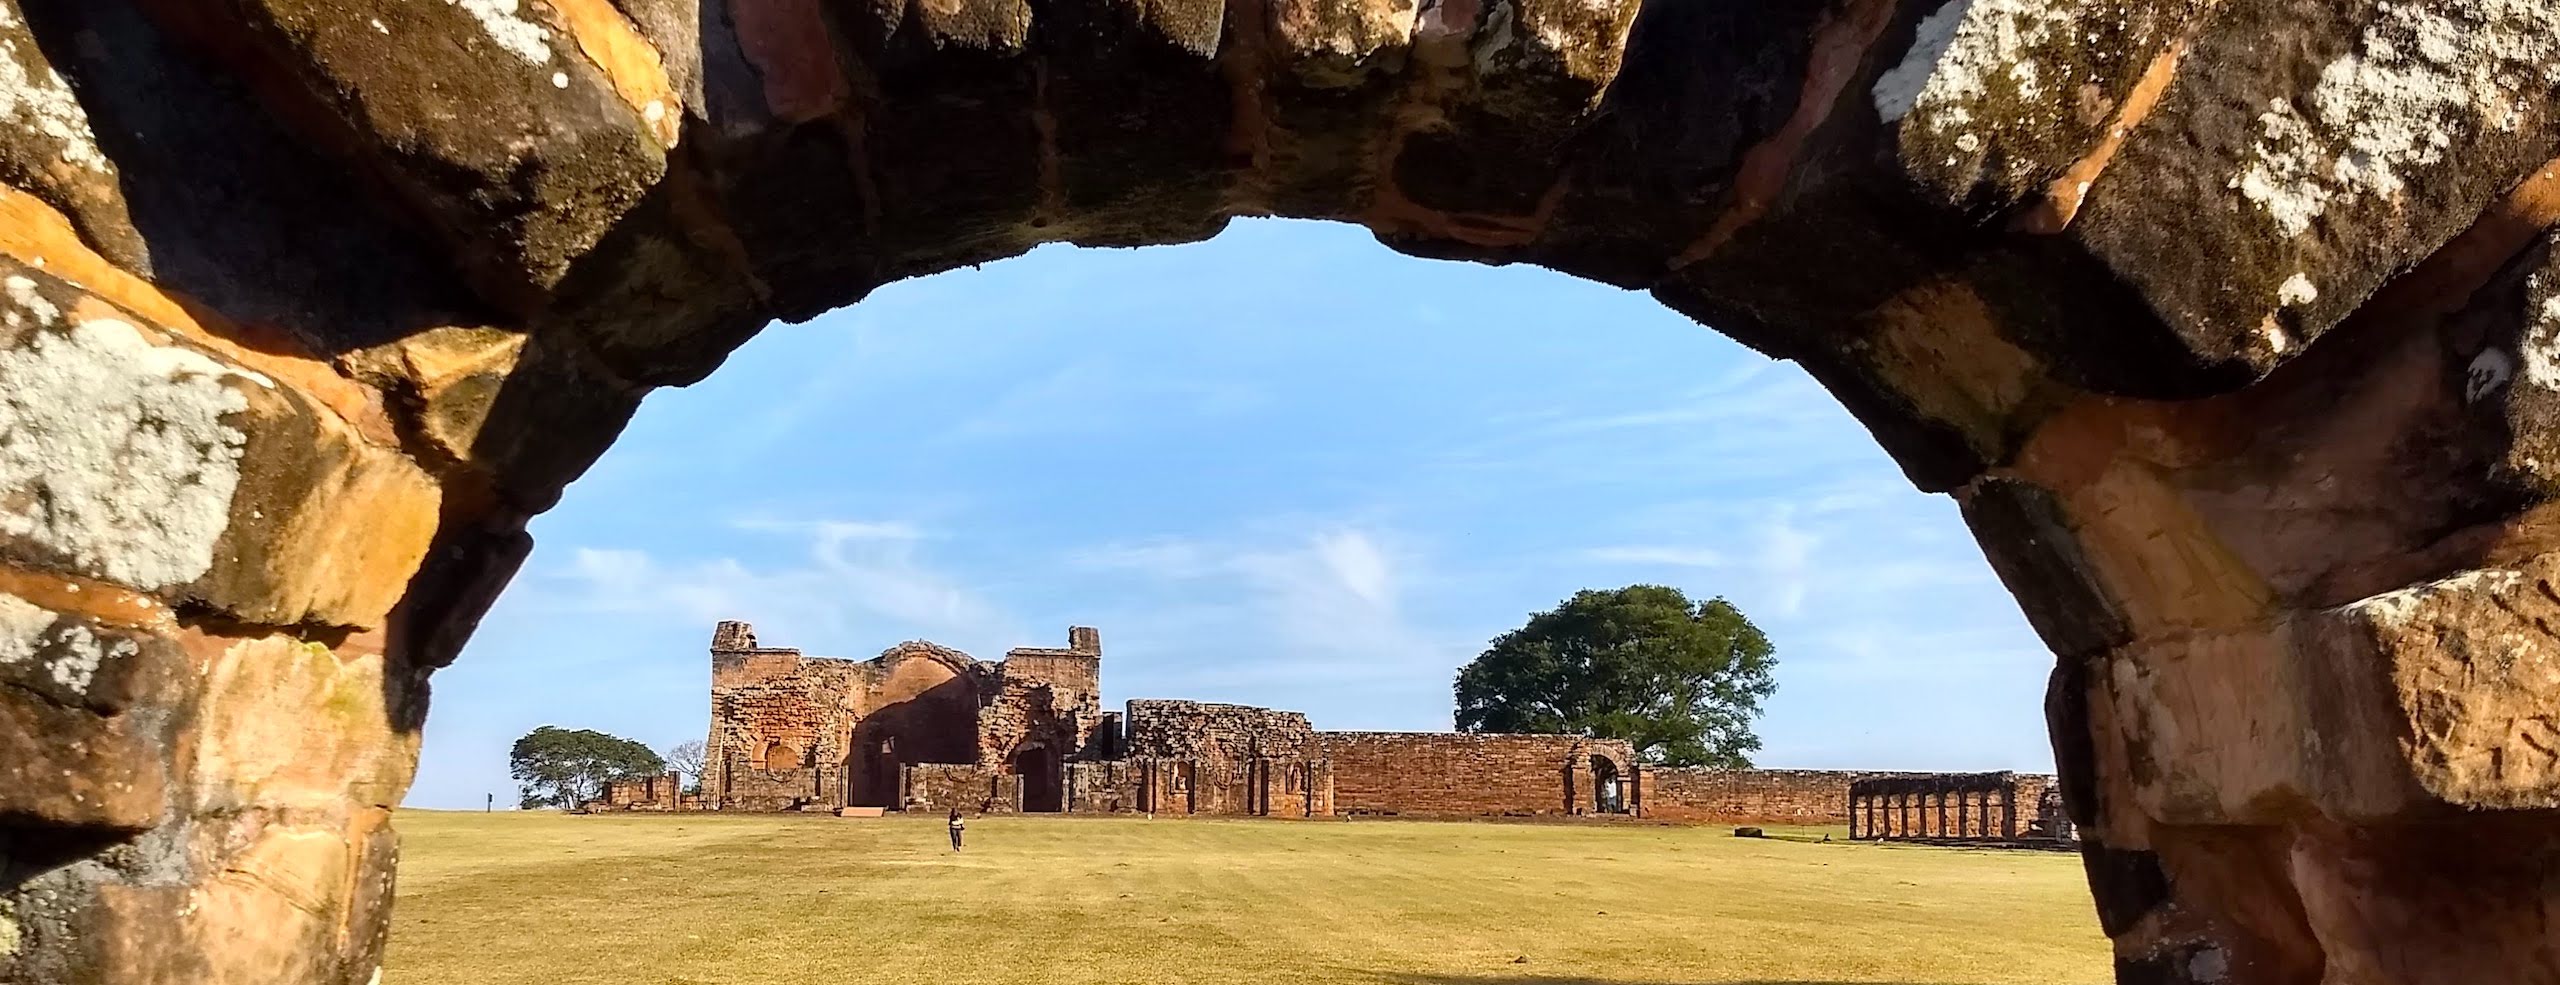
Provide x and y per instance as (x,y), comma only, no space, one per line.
(1427,978)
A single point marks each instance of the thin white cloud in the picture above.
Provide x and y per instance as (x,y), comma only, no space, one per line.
(1090,395)
(1066,399)
(858,578)
(1325,604)
(834,532)
(1677,557)
(1358,565)
(1786,559)
(1167,558)
(1759,426)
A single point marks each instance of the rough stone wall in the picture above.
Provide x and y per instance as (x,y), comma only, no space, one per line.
(1430,773)
(2031,789)
(2228,325)
(1046,698)
(1750,796)
(1108,738)
(778,710)
(975,789)
(1105,786)
(749,789)
(664,792)
(1164,729)
(789,729)
(1206,758)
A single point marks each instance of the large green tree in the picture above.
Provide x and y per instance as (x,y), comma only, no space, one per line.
(564,768)
(1681,681)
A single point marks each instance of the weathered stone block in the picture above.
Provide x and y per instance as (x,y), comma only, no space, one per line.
(1522,76)
(284,724)
(86,733)
(2328,147)
(522,152)
(2472,666)
(133,457)
(447,377)
(48,147)
(2250,728)
(279,900)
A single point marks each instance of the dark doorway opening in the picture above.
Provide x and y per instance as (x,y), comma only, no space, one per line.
(875,772)
(1608,794)
(1043,783)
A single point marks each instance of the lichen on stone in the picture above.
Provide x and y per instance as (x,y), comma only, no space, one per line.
(25,303)
(2395,608)
(40,102)
(114,452)
(22,625)
(2539,342)
(78,653)
(2296,290)
(499,19)
(71,653)
(1898,90)
(1963,51)
(2422,79)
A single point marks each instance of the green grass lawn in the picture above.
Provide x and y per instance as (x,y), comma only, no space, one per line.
(490,899)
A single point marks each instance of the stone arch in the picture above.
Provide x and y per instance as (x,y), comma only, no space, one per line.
(2264,449)
(1609,786)
(923,709)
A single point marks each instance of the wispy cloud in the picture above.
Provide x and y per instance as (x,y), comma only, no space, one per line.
(1760,425)
(1162,557)
(1092,395)
(857,578)
(833,536)
(1325,603)
(1676,557)
(1786,559)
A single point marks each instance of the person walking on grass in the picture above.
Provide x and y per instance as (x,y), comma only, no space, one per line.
(957,825)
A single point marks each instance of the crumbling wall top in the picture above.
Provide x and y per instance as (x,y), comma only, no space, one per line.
(739,636)
(1206,730)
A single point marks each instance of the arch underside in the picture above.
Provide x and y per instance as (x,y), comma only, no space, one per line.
(2227,323)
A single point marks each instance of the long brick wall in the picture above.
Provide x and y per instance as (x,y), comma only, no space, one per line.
(1750,796)
(1456,774)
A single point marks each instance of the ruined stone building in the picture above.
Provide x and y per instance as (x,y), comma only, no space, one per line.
(919,723)
(926,727)
(1958,807)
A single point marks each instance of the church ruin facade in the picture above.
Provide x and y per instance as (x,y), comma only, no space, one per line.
(923,727)
(790,731)
(926,727)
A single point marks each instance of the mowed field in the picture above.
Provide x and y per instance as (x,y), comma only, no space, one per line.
(491,899)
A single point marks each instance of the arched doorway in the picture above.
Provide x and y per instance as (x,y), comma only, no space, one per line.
(872,771)
(1043,779)
(2082,353)
(1608,793)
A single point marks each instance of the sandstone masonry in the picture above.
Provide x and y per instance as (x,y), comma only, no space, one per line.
(928,728)
(2229,327)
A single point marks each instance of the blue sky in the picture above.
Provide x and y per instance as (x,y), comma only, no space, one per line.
(1285,467)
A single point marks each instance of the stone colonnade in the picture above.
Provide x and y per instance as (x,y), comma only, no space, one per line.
(1965,806)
